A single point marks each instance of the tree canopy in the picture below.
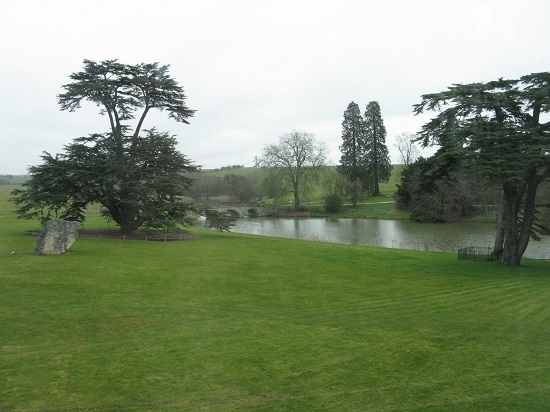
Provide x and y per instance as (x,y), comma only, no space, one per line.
(376,152)
(497,129)
(294,164)
(137,175)
(352,160)
(365,160)
(125,92)
(407,148)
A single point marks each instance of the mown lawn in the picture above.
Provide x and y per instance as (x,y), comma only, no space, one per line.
(238,322)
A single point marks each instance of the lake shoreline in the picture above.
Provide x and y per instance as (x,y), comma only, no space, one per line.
(387,233)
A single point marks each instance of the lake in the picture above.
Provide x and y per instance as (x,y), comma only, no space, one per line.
(399,234)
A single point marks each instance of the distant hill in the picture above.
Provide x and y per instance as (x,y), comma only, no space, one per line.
(258,172)
(13,179)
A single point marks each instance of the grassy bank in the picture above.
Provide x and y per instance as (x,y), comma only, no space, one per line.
(380,207)
(238,322)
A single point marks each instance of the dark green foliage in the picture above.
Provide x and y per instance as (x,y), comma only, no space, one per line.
(333,203)
(138,179)
(121,90)
(460,193)
(376,152)
(352,160)
(496,129)
(436,202)
(221,221)
(365,160)
(232,167)
(239,188)
(141,190)
(410,184)
(205,187)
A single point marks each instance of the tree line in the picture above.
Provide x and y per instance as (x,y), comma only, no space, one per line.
(492,140)
(295,164)
(12,180)
(235,188)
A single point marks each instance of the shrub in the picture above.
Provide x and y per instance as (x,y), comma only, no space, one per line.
(221,221)
(333,203)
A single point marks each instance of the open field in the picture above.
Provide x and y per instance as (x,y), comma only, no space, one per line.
(6,207)
(238,322)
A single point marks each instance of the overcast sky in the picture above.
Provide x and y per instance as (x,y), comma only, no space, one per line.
(254,70)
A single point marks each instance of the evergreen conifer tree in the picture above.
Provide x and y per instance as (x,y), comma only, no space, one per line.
(377,159)
(136,174)
(352,162)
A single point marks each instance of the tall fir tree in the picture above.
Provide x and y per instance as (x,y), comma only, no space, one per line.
(352,162)
(377,159)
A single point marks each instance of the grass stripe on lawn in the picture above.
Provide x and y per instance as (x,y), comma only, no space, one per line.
(239,322)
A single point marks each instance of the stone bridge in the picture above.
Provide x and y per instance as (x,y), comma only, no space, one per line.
(243,211)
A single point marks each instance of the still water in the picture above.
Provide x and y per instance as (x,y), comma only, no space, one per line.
(400,234)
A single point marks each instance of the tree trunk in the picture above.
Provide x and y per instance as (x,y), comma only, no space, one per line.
(517,219)
(129,222)
(355,191)
(498,247)
(528,211)
(296,196)
(511,228)
(124,216)
(376,167)
(376,188)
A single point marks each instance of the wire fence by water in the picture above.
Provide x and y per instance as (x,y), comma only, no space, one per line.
(478,253)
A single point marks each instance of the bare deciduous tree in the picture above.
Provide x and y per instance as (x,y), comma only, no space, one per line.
(408,150)
(295,163)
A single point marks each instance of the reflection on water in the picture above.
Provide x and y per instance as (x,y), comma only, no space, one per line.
(400,234)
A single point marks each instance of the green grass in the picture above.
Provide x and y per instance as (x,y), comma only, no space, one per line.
(6,206)
(238,322)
